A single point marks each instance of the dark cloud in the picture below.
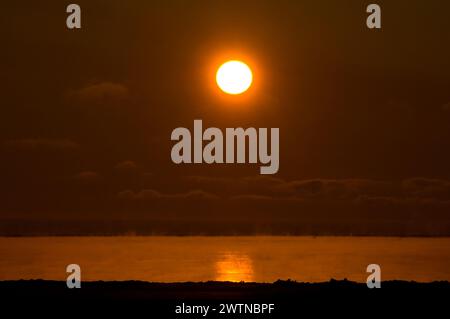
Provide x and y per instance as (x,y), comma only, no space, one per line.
(260,184)
(272,205)
(421,191)
(150,194)
(126,166)
(252,197)
(425,187)
(101,93)
(345,188)
(408,192)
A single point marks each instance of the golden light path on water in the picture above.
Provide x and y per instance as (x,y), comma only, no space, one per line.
(234,267)
(259,259)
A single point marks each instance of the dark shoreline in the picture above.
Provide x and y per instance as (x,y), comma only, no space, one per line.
(333,297)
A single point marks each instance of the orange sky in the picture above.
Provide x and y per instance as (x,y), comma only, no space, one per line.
(364,117)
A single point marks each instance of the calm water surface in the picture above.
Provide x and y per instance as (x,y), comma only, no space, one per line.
(261,259)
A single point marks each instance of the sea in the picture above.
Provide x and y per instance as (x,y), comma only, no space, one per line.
(232,258)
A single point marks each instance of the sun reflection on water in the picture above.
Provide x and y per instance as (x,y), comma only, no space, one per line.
(234,267)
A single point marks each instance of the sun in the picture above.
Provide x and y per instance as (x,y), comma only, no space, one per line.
(234,77)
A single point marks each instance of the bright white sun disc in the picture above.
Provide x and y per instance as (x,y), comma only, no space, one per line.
(234,77)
